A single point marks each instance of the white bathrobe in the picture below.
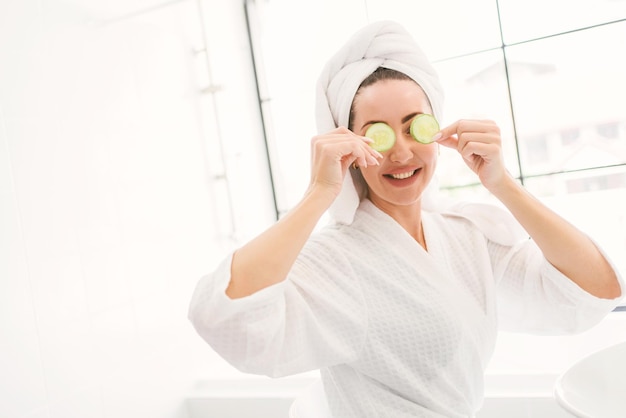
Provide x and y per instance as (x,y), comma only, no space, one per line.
(396,330)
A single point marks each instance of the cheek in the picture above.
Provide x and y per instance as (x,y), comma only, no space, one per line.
(369,174)
(430,157)
(436,152)
(430,153)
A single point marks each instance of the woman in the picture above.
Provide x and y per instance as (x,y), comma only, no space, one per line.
(399,300)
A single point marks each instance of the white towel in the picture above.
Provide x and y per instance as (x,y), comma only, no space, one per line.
(388,44)
(380,44)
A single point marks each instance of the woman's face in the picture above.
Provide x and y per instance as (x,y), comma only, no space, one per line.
(408,166)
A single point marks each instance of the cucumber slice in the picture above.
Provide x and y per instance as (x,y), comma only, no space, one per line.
(383,136)
(424,127)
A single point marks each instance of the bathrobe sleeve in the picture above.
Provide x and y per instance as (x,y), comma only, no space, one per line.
(534,297)
(315,318)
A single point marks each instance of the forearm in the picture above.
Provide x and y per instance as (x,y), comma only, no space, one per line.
(267,259)
(563,245)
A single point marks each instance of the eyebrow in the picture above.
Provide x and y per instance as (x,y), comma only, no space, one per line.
(409,117)
(404,119)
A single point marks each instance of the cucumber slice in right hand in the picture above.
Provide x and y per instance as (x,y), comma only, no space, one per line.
(383,136)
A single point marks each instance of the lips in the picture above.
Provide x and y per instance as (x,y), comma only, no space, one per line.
(402,174)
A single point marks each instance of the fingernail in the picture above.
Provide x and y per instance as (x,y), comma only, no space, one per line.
(437,136)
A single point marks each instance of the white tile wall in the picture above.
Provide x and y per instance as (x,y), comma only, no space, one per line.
(107,217)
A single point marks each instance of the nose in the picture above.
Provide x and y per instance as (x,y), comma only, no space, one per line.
(402,150)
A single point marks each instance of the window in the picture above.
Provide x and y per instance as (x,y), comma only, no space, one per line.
(582,91)
(549,72)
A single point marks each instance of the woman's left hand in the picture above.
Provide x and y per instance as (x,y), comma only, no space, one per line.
(480,144)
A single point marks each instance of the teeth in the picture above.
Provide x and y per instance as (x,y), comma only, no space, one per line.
(403,175)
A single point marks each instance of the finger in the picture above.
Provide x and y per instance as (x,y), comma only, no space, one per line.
(485,151)
(346,163)
(371,150)
(360,160)
(458,143)
(449,142)
(368,159)
(460,127)
(465,125)
(358,154)
(372,161)
(369,154)
(337,138)
(345,131)
(484,138)
(375,155)
(339,145)
(447,132)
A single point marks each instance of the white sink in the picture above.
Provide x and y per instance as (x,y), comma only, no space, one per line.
(595,387)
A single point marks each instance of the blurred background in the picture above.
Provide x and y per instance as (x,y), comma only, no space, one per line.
(142,140)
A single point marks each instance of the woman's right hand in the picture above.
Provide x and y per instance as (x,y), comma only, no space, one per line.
(268,258)
(332,154)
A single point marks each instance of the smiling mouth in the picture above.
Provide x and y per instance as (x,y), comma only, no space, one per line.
(402,176)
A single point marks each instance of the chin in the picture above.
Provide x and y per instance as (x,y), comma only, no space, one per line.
(401,201)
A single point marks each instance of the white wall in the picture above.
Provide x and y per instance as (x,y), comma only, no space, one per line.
(109,209)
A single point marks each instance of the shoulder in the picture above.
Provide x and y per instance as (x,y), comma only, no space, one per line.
(494,222)
(336,237)
(347,241)
(452,228)
(330,242)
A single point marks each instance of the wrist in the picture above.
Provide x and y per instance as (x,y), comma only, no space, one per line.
(321,193)
(505,187)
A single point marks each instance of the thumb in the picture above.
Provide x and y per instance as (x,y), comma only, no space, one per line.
(447,136)
(449,142)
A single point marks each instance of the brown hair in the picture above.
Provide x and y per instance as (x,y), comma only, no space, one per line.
(380,74)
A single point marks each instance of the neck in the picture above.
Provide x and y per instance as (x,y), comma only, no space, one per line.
(408,216)
(416,231)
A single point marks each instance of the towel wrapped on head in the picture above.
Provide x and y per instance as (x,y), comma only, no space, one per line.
(381,44)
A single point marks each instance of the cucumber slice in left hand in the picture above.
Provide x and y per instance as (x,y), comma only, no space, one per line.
(424,127)
(383,136)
